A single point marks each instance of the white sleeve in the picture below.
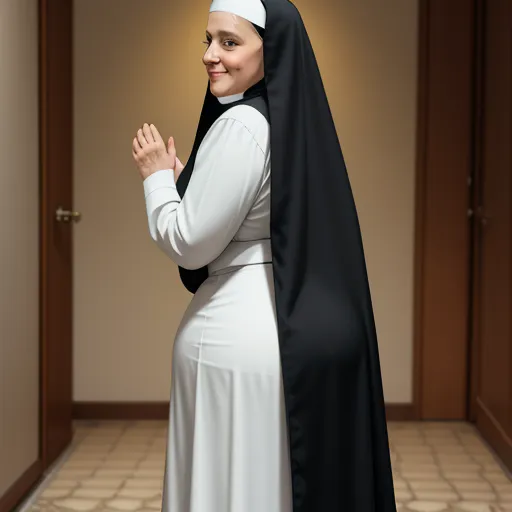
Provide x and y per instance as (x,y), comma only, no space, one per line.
(227,177)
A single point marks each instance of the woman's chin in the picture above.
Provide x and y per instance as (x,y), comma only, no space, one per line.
(218,89)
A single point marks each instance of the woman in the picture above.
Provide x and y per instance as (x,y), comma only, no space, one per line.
(276,401)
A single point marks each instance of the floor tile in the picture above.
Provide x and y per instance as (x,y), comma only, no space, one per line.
(462,485)
(94,493)
(124,504)
(469,506)
(51,494)
(427,506)
(144,494)
(77,504)
(102,483)
(434,485)
(478,496)
(439,496)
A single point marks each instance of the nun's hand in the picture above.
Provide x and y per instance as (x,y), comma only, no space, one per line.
(171,149)
(150,153)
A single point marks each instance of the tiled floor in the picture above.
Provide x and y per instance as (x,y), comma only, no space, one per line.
(118,466)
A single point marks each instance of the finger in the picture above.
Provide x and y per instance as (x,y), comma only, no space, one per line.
(171,149)
(136,145)
(147,133)
(142,140)
(155,133)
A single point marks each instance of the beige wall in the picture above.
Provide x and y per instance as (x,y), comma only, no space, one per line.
(19,250)
(138,64)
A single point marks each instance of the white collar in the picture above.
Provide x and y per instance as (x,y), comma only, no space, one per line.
(224,100)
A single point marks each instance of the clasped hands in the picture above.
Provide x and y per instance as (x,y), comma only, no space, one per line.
(151,154)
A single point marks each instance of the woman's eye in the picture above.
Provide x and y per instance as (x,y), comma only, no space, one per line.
(228,43)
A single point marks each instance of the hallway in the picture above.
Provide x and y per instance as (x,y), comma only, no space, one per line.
(421,94)
(118,466)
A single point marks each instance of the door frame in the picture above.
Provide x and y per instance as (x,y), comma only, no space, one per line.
(56,161)
(475,200)
(486,423)
(445,161)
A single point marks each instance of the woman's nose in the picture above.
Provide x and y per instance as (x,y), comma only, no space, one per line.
(210,55)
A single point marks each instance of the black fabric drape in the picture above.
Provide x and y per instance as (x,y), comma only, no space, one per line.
(330,362)
(335,409)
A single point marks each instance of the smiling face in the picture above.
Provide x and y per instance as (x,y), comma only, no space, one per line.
(234,54)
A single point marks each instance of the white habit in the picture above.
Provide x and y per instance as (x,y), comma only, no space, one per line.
(227,447)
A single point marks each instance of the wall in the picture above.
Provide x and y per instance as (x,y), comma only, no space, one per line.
(19,251)
(138,64)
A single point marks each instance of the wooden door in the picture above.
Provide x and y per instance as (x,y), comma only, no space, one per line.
(492,354)
(56,229)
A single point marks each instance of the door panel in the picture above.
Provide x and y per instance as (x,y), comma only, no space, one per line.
(493,357)
(56,236)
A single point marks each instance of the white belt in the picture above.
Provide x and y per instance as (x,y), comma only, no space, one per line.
(242,253)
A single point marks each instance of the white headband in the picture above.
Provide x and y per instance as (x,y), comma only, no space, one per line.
(251,10)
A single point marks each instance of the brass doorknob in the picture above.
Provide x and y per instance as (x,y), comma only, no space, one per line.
(67,216)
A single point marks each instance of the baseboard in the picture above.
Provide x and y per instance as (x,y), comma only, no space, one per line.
(401,412)
(121,410)
(160,411)
(494,434)
(21,488)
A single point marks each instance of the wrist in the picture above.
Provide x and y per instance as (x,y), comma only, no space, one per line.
(145,175)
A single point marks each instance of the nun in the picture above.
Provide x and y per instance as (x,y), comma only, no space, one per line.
(276,394)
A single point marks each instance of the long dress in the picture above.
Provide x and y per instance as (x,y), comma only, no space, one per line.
(227,448)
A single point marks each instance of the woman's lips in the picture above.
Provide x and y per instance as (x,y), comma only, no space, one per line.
(216,74)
